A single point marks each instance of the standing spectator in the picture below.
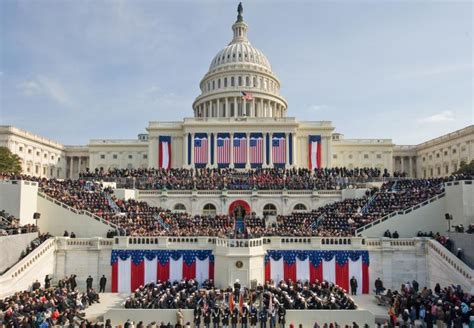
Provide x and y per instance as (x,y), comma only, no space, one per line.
(379,286)
(353,285)
(282,316)
(102,283)
(89,281)
(47,282)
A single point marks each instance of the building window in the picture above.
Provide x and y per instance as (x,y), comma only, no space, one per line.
(455,167)
(45,155)
(36,169)
(240,81)
(424,159)
(232,81)
(350,156)
(209,210)
(102,156)
(446,169)
(130,156)
(52,157)
(439,170)
(44,170)
(180,208)
(463,148)
(247,81)
(225,82)
(59,159)
(445,153)
(379,156)
(37,153)
(213,85)
(219,83)
(21,148)
(334,156)
(300,207)
(269,209)
(437,155)
(454,151)
(366,156)
(145,156)
(114,156)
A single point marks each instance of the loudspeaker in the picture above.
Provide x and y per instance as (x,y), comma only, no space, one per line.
(36,216)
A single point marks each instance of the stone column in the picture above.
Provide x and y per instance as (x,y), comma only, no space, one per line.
(235,107)
(287,149)
(209,149)
(247,165)
(270,150)
(70,166)
(231,165)
(185,150)
(402,166)
(293,151)
(244,107)
(227,110)
(218,108)
(214,141)
(192,149)
(254,113)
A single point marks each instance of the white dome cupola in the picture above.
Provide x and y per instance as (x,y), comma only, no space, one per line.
(240,81)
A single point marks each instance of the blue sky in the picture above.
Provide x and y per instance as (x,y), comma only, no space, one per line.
(77,70)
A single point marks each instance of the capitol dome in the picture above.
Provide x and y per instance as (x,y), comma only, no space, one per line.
(240,82)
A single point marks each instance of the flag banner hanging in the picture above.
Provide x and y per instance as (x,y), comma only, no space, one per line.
(256,150)
(337,267)
(164,152)
(200,149)
(239,147)
(134,268)
(278,149)
(314,154)
(223,149)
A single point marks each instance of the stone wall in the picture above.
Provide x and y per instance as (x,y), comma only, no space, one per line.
(14,246)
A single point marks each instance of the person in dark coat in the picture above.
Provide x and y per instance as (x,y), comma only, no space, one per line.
(36,285)
(234,317)
(47,281)
(207,318)
(197,317)
(216,316)
(353,285)
(89,281)
(72,282)
(263,317)
(225,317)
(244,316)
(253,316)
(282,316)
(102,283)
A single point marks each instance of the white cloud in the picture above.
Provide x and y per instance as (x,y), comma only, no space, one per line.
(47,87)
(444,116)
(434,70)
(317,108)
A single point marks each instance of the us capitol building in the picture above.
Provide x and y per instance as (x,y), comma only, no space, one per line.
(240,120)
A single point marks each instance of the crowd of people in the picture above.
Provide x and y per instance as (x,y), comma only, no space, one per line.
(232,179)
(440,307)
(138,218)
(47,306)
(265,304)
(10,225)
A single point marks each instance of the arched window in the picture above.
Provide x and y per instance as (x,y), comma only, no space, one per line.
(180,208)
(240,81)
(300,207)
(225,82)
(232,81)
(209,209)
(247,81)
(269,209)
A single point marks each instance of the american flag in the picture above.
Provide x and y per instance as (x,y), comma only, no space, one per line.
(279,150)
(240,149)
(256,150)
(223,149)
(247,95)
(200,150)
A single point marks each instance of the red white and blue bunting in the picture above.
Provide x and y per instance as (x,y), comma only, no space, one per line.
(133,268)
(334,266)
